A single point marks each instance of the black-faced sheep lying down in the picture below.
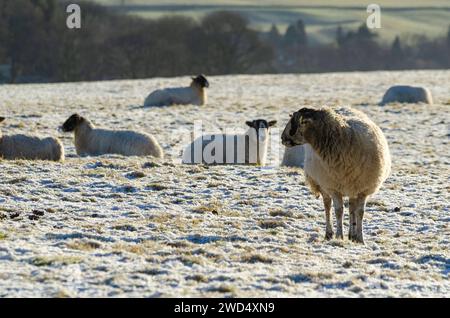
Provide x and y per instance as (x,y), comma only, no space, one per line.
(294,157)
(30,148)
(91,141)
(346,155)
(407,94)
(249,148)
(192,95)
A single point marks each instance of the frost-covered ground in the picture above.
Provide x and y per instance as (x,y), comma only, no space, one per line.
(135,227)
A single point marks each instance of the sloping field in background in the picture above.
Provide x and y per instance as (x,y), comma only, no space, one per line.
(386,3)
(430,18)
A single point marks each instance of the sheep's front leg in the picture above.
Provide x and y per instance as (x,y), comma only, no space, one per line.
(359,214)
(339,212)
(329,228)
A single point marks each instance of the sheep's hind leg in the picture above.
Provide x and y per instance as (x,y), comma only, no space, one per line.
(352,219)
(329,228)
(339,212)
(360,204)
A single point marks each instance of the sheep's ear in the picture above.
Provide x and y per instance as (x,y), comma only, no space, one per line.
(2,119)
(272,123)
(307,113)
(249,123)
(305,120)
(76,117)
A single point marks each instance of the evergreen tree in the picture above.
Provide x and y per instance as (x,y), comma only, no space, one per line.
(274,33)
(448,36)
(339,36)
(397,55)
(396,48)
(364,33)
(302,38)
(296,34)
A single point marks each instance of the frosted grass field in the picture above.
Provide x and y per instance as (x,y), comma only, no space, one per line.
(136,227)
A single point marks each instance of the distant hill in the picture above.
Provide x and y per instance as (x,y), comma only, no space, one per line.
(404,18)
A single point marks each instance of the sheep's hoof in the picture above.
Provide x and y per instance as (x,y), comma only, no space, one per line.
(339,235)
(328,235)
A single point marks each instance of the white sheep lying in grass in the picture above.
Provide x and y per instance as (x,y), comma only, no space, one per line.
(294,157)
(192,95)
(30,147)
(347,155)
(91,141)
(249,148)
(407,94)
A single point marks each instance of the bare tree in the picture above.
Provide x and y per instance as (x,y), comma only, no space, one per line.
(229,46)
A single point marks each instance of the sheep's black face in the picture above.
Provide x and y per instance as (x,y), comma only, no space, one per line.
(201,81)
(72,123)
(261,127)
(294,133)
(2,119)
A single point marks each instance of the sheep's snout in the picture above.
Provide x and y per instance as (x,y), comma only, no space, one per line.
(67,127)
(262,134)
(286,141)
(63,129)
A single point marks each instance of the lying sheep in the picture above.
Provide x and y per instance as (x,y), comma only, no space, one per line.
(346,155)
(192,95)
(407,94)
(294,157)
(30,147)
(90,141)
(249,148)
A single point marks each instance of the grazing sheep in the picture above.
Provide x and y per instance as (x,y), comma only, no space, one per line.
(407,94)
(192,95)
(90,141)
(30,148)
(294,157)
(249,148)
(347,155)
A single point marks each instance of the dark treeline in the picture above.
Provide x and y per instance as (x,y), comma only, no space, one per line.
(37,46)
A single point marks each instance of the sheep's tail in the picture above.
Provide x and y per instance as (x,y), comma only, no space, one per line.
(58,150)
(54,149)
(159,152)
(154,149)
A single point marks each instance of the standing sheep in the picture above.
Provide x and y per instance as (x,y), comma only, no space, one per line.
(30,148)
(347,155)
(192,95)
(407,94)
(90,141)
(249,148)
